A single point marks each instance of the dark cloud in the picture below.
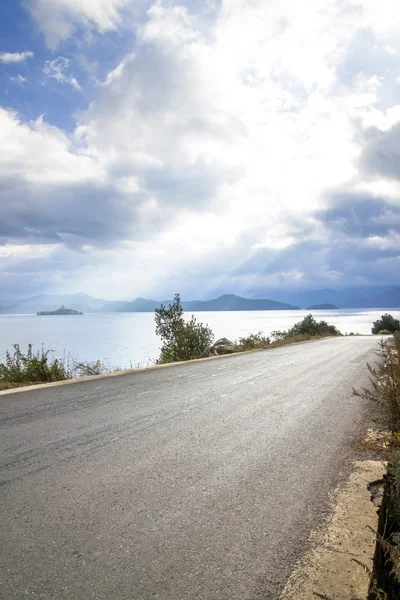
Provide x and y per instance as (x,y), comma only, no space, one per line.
(351,241)
(71,214)
(359,216)
(26,275)
(381,153)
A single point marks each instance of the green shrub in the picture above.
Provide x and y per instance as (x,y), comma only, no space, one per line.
(252,342)
(384,389)
(308,327)
(394,498)
(32,367)
(384,332)
(182,340)
(387,322)
(384,378)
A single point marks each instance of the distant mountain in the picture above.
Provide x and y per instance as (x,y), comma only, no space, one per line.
(51,302)
(232,302)
(87,304)
(357,297)
(223,303)
(145,305)
(385,297)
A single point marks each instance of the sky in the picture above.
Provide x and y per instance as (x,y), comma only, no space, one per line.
(198,146)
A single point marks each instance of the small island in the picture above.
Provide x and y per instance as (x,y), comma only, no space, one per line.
(60,311)
(322,307)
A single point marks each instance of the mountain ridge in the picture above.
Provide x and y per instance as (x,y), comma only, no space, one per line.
(385,297)
(87,304)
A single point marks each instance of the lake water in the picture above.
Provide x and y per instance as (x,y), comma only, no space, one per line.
(124,339)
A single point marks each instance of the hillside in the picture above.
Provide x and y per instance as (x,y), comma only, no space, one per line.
(223,303)
(355,297)
(87,304)
(232,302)
(385,297)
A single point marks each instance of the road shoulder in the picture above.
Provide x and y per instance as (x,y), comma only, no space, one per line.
(338,564)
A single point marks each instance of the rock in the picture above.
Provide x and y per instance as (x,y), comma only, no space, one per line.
(376,489)
(223,342)
(223,349)
(222,346)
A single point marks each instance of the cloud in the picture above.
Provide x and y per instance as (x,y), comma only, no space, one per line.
(231,151)
(60,195)
(14,57)
(27,270)
(360,216)
(17,79)
(381,152)
(61,19)
(55,69)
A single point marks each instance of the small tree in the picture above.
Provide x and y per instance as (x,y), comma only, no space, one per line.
(387,322)
(182,340)
(309,326)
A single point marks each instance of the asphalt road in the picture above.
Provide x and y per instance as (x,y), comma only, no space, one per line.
(200,481)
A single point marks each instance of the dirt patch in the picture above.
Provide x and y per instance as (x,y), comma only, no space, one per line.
(338,565)
(376,443)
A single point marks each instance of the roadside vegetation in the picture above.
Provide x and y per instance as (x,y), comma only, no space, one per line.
(307,328)
(384,389)
(386,325)
(181,340)
(31,367)
(253,341)
(187,340)
(41,366)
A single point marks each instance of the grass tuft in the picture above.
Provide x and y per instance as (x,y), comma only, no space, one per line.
(38,366)
(384,389)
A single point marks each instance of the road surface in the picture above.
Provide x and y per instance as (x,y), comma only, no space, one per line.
(199,481)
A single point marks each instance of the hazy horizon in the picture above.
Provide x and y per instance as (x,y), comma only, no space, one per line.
(294,296)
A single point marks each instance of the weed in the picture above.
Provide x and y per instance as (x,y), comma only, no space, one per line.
(253,341)
(385,390)
(32,367)
(86,369)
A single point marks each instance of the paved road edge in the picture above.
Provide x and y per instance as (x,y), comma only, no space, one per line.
(75,380)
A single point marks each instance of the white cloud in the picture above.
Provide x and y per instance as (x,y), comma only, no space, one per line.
(18,79)
(61,19)
(38,153)
(223,139)
(255,108)
(14,57)
(55,69)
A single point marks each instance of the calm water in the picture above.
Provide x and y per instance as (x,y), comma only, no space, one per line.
(124,339)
